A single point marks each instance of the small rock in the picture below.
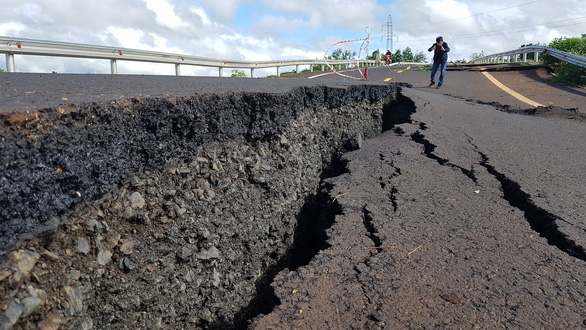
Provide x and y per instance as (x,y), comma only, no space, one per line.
(136,200)
(129,213)
(75,299)
(216,278)
(128,246)
(127,263)
(11,316)
(87,324)
(184,254)
(179,210)
(83,246)
(452,298)
(30,305)
(94,224)
(51,255)
(284,140)
(210,194)
(104,257)
(199,193)
(4,273)
(212,253)
(170,193)
(24,260)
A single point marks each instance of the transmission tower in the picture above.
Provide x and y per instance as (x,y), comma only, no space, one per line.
(389,34)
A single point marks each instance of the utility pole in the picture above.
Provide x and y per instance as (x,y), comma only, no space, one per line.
(367,40)
(389,34)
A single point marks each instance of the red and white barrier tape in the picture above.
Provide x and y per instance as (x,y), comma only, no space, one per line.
(357,60)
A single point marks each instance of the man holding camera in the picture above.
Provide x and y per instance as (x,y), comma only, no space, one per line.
(440,57)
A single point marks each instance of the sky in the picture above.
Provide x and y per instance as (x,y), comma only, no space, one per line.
(255,30)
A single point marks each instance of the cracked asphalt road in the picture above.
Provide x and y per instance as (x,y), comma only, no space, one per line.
(464,217)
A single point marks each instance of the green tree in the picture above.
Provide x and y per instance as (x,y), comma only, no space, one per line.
(238,73)
(420,57)
(567,72)
(1,70)
(374,54)
(408,55)
(397,57)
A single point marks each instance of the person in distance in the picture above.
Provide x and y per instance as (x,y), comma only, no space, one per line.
(440,58)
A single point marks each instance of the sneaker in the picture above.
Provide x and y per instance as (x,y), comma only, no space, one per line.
(438,86)
(430,85)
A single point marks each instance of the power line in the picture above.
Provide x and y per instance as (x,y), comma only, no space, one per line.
(488,12)
(526,28)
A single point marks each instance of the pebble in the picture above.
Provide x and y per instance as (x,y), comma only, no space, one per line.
(83,246)
(24,260)
(11,315)
(212,253)
(75,299)
(128,246)
(104,257)
(30,305)
(136,200)
(127,263)
(184,254)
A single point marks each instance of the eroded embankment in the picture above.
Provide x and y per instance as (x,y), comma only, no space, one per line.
(164,212)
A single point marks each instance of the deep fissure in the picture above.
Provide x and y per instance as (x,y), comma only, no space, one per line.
(371,230)
(540,220)
(318,214)
(429,148)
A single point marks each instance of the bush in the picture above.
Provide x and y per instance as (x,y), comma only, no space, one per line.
(238,73)
(566,72)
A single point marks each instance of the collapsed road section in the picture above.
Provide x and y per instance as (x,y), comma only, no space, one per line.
(160,212)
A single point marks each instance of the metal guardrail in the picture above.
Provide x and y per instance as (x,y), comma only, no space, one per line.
(21,46)
(501,57)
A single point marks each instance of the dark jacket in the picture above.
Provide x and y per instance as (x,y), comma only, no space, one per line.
(438,54)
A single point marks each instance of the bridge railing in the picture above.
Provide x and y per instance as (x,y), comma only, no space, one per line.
(513,56)
(21,46)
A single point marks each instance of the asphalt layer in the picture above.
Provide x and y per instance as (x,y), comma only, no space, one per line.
(35,91)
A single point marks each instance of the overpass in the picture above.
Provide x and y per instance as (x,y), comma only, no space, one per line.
(140,201)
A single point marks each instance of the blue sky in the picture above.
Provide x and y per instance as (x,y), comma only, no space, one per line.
(267,29)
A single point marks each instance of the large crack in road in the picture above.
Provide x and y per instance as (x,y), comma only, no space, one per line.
(436,237)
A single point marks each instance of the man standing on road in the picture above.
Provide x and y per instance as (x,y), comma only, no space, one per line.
(440,57)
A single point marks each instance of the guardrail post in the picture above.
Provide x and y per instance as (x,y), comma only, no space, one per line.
(177,69)
(297,68)
(251,72)
(113,67)
(278,71)
(220,74)
(536,58)
(10,63)
(524,57)
(311,68)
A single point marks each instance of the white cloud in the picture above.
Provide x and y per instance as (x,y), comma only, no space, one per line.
(165,13)
(281,29)
(11,28)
